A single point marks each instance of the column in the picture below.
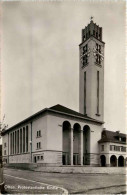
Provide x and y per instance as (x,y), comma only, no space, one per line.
(125,162)
(71,146)
(116,162)
(107,161)
(81,147)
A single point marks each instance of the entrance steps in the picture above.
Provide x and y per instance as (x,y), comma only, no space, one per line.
(68,169)
(83,169)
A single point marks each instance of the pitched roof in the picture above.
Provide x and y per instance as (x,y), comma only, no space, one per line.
(64,109)
(111,136)
(54,109)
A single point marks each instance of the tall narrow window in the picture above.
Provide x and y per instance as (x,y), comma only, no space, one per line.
(23,139)
(13,144)
(97,92)
(20,140)
(84,92)
(26,138)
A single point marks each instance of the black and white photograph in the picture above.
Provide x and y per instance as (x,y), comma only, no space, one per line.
(63,97)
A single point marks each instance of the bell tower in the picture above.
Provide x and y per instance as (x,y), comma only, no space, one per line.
(91,70)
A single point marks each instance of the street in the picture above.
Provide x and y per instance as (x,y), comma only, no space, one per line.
(31,182)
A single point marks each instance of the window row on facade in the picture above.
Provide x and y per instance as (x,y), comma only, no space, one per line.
(19,141)
(114,148)
(117,148)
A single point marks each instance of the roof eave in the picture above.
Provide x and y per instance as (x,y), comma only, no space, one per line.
(88,119)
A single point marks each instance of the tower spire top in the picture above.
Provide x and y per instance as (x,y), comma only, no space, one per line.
(91,18)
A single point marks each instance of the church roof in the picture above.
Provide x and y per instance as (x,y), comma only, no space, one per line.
(64,109)
(67,111)
(59,109)
(111,136)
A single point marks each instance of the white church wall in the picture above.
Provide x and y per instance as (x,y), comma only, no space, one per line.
(39,124)
(95,136)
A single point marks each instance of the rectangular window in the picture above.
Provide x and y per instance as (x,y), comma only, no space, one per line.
(38,145)
(5,145)
(39,133)
(11,143)
(99,49)
(97,92)
(42,157)
(84,92)
(123,149)
(110,147)
(26,138)
(102,147)
(85,56)
(15,142)
(23,139)
(98,57)
(20,140)
(4,152)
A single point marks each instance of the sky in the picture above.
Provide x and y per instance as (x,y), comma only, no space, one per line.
(40,57)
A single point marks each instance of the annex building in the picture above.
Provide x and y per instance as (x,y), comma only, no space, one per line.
(59,136)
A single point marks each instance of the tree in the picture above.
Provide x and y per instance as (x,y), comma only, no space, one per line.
(3,126)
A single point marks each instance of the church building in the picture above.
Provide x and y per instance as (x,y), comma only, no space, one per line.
(59,136)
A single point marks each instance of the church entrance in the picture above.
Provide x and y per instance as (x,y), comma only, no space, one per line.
(121,161)
(76,159)
(86,145)
(103,160)
(66,143)
(113,161)
(76,143)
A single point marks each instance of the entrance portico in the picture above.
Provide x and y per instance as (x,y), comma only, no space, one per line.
(76,144)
